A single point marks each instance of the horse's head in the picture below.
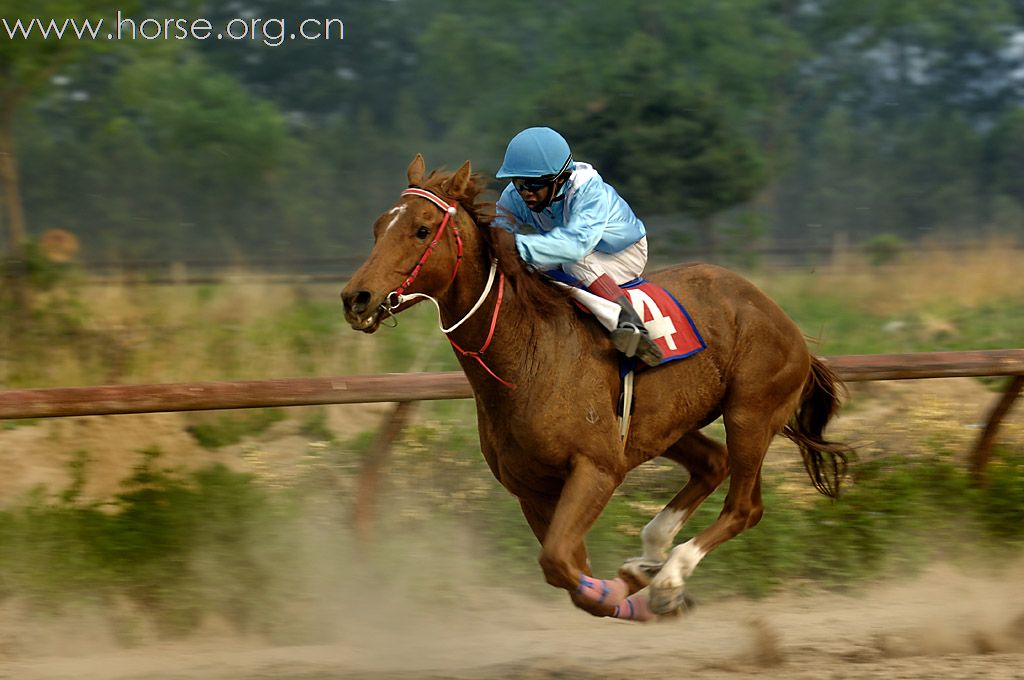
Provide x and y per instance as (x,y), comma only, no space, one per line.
(418,246)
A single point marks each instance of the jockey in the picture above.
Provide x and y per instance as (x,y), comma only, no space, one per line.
(580,225)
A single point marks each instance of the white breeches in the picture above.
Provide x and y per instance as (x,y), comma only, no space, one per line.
(622,266)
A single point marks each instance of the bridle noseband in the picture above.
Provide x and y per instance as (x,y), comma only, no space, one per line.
(397,297)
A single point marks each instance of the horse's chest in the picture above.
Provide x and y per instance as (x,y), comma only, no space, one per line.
(523,457)
(523,478)
(533,451)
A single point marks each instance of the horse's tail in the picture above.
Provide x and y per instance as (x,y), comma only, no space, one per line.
(824,461)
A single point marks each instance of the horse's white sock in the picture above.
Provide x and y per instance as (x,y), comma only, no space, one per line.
(602,591)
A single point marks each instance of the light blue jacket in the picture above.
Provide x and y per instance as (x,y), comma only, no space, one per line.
(592,216)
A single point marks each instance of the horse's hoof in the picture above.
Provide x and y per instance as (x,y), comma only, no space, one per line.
(672,599)
(638,572)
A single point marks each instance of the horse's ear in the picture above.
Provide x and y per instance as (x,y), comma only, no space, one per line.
(457,184)
(416,170)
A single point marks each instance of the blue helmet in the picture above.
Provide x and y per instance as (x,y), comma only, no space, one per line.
(536,152)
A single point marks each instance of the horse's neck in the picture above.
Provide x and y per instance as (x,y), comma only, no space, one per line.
(517,351)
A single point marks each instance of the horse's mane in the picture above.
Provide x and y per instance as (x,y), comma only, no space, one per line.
(546,296)
(480,211)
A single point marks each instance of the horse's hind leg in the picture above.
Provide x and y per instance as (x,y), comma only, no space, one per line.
(707,462)
(748,434)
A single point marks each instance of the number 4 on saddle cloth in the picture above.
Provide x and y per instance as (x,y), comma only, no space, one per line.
(666,319)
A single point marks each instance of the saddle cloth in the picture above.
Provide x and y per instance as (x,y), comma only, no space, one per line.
(665,318)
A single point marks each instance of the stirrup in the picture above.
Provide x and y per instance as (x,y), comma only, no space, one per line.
(633,342)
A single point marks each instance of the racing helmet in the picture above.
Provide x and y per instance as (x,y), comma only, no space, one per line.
(536,152)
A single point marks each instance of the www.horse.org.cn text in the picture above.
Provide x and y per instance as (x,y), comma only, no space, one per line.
(272,32)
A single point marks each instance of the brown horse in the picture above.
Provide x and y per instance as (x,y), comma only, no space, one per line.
(547,387)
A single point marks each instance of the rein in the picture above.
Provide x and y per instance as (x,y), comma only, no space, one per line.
(397,297)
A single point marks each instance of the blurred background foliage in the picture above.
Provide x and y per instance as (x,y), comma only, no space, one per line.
(777,120)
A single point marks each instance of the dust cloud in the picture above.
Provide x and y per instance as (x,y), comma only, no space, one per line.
(428,615)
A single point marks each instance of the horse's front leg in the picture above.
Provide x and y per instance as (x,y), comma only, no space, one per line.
(538,511)
(584,495)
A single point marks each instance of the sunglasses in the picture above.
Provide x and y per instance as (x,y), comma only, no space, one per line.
(531,184)
(535,184)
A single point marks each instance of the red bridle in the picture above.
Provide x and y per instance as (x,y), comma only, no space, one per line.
(395,297)
(449,212)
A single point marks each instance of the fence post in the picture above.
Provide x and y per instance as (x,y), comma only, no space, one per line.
(983,448)
(365,509)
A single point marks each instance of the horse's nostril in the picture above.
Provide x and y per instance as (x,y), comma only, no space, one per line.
(360,301)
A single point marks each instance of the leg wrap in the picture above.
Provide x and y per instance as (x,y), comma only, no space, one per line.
(636,607)
(601,591)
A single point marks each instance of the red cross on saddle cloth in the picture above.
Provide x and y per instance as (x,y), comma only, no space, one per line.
(666,320)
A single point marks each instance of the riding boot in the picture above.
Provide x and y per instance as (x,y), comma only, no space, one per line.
(630,336)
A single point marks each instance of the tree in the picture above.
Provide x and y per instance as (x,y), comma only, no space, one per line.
(901,58)
(167,156)
(668,146)
(916,80)
(364,59)
(27,65)
(1004,164)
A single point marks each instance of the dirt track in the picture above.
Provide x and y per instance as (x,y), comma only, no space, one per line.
(945,624)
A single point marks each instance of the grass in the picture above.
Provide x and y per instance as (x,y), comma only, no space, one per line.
(221,428)
(181,547)
(80,335)
(143,334)
(896,514)
(930,301)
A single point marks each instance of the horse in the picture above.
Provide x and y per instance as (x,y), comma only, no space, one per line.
(546,383)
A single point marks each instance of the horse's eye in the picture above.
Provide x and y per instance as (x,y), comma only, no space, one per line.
(422,233)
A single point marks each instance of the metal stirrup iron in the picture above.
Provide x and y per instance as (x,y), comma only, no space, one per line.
(632,342)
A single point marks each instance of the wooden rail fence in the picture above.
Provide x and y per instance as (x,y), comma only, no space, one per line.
(411,387)
(53,402)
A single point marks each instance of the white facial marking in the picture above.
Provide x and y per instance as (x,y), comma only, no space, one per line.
(659,533)
(397,212)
